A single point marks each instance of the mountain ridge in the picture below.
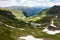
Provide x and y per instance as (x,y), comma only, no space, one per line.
(31,10)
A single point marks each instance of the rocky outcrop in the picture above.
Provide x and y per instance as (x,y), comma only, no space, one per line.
(55,10)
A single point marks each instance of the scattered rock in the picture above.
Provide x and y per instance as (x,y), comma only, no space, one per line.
(51,32)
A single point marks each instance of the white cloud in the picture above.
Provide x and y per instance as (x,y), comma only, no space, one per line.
(32,3)
(57,0)
(7,3)
(39,3)
(29,3)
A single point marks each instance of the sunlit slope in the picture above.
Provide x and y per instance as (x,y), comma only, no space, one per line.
(9,25)
(38,16)
(18,14)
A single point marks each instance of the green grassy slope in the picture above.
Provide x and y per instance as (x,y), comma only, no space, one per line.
(38,16)
(11,25)
(18,14)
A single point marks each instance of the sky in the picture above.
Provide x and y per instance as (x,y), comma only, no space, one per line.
(29,3)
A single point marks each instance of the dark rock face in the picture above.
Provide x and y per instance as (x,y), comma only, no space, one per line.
(52,28)
(55,10)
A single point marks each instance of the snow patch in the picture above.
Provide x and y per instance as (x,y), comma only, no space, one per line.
(52,23)
(50,31)
(35,24)
(30,38)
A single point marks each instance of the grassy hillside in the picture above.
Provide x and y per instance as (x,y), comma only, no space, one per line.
(45,17)
(38,16)
(9,24)
(13,26)
(18,14)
